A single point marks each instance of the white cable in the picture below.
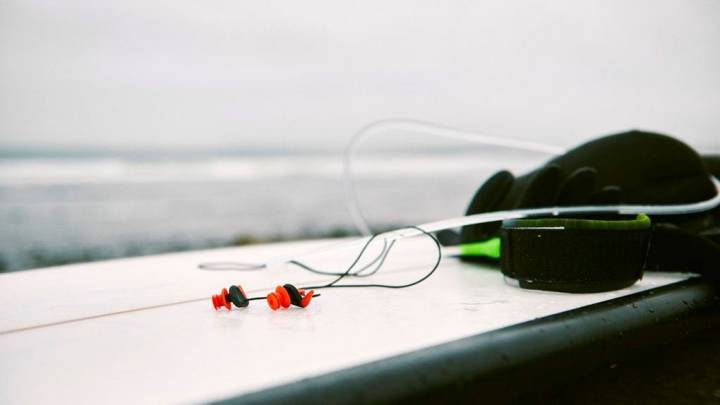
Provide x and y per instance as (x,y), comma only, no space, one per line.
(416,126)
(426,128)
(393,235)
(677,209)
(402,233)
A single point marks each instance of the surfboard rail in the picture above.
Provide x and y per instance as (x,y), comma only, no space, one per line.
(519,360)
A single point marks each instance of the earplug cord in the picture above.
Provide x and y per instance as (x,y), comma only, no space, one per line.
(248,266)
(384,254)
(263,298)
(379,259)
(378,262)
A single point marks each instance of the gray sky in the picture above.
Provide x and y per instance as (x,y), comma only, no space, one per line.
(187,74)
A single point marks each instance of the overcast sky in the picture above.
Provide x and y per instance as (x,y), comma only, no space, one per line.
(207,74)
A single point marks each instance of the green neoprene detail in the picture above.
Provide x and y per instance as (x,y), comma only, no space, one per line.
(491,247)
(488,248)
(642,221)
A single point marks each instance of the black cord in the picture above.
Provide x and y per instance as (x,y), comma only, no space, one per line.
(262,298)
(244,266)
(378,262)
(379,258)
(333,284)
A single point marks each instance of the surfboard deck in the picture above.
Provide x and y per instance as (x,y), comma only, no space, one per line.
(144,329)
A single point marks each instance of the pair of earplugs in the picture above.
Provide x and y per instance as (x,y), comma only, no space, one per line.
(283,296)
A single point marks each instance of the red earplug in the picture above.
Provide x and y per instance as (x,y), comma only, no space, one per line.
(288,294)
(236,295)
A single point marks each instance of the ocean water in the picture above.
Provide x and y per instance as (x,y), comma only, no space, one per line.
(62,209)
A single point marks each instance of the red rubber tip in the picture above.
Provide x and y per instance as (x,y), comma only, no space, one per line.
(283,296)
(272,300)
(307,298)
(222,299)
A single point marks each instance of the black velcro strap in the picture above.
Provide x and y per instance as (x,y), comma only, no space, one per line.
(574,255)
(678,250)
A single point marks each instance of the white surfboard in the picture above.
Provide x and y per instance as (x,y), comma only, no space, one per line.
(144,330)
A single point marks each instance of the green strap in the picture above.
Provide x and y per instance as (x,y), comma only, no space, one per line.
(642,221)
(491,247)
(488,248)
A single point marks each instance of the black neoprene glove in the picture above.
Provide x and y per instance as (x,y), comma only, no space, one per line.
(549,186)
(633,167)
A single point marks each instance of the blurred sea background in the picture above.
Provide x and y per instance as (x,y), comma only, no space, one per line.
(75,206)
(138,127)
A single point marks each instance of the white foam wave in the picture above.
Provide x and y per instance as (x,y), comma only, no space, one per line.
(15,172)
